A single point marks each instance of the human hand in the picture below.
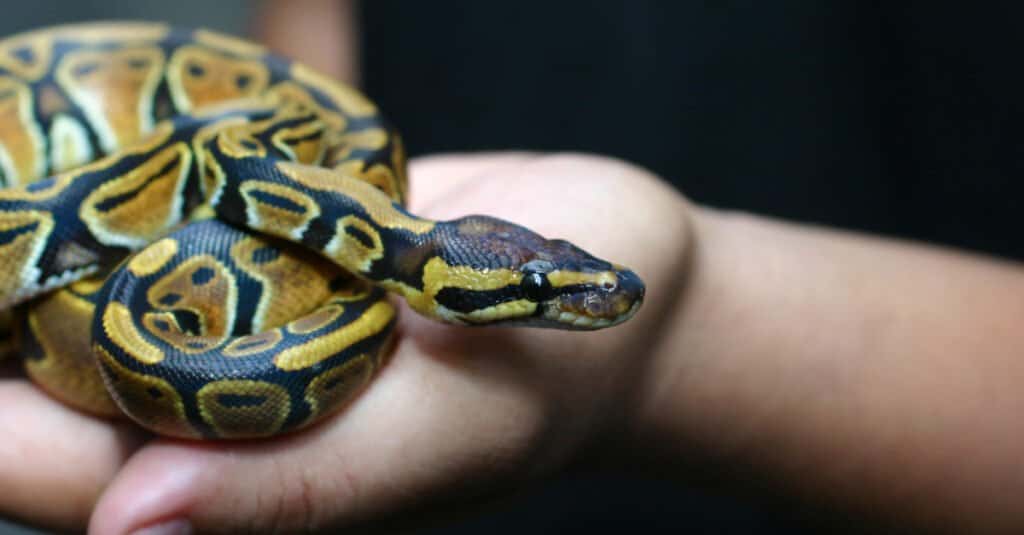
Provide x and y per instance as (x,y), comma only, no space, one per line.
(457,413)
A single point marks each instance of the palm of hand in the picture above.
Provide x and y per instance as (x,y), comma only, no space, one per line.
(456,411)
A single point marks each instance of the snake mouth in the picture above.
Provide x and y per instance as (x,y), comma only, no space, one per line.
(578,321)
(597,307)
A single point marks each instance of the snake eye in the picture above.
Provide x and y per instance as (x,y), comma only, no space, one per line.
(536,286)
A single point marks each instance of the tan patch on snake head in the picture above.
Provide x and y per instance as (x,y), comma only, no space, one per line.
(137,207)
(199,76)
(115,89)
(152,402)
(194,305)
(22,148)
(243,408)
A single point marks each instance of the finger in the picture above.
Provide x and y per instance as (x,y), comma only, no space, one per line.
(434,178)
(54,461)
(417,429)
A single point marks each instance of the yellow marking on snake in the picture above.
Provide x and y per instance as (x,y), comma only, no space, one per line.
(377,206)
(69,144)
(302,356)
(302,144)
(560,278)
(130,32)
(22,147)
(118,324)
(227,43)
(153,258)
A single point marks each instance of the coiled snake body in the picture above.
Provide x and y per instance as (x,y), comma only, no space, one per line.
(207,230)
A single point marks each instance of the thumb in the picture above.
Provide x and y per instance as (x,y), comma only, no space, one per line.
(424,428)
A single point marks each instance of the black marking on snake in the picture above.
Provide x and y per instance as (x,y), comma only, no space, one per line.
(162,325)
(114,201)
(265,255)
(277,201)
(170,299)
(85,69)
(24,54)
(9,235)
(138,63)
(249,345)
(359,235)
(203,276)
(41,185)
(196,70)
(187,321)
(463,300)
(240,400)
(242,81)
(154,392)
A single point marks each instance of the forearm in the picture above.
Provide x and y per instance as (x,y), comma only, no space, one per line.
(880,375)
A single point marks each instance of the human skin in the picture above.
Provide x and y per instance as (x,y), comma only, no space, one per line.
(879,377)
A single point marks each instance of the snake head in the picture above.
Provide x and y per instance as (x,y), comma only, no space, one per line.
(575,290)
(502,273)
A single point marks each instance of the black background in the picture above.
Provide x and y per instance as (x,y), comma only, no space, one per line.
(897,118)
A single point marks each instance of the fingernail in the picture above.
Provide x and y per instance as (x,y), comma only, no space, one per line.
(178,526)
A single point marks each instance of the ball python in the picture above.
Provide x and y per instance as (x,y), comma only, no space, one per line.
(201,235)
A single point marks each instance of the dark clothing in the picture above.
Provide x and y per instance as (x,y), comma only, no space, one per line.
(902,119)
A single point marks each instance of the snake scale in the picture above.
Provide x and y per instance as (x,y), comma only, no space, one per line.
(201,235)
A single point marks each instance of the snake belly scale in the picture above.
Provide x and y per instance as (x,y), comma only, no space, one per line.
(201,235)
